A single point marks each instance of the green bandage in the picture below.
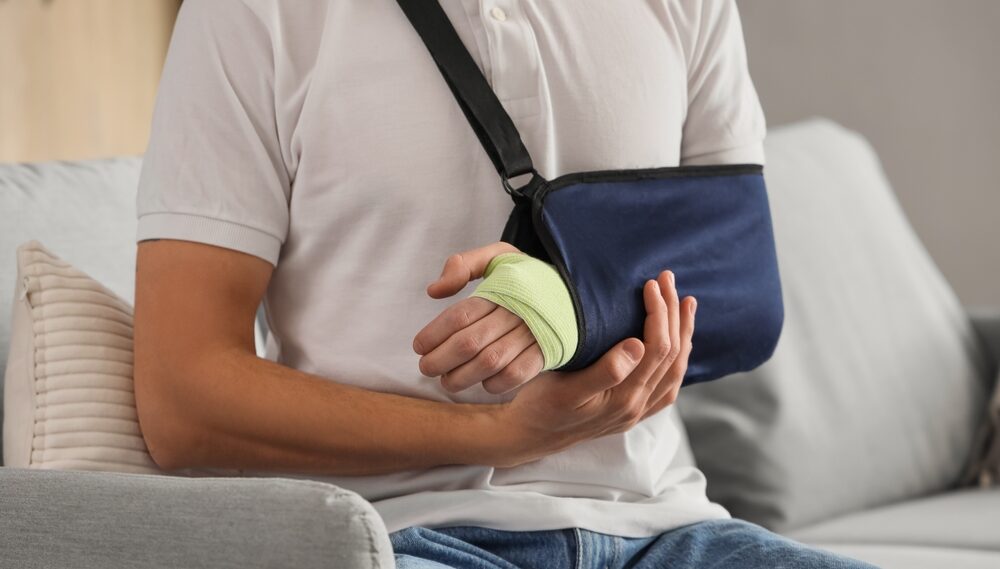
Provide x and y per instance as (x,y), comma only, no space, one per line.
(533,290)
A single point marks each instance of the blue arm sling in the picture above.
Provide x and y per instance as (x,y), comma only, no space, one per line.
(608,232)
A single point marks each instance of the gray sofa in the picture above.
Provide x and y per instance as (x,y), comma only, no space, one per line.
(854,437)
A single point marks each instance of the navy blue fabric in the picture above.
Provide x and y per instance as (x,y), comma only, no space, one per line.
(608,236)
(608,232)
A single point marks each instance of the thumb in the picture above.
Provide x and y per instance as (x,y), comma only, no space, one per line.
(463,267)
(610,370)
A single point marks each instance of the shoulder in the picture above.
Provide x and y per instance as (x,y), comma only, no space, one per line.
(704,24)
(699,11)
(242,21)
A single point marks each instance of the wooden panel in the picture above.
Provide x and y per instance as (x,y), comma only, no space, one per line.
(78,78)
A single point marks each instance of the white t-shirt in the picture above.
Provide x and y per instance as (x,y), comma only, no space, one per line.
(321,137)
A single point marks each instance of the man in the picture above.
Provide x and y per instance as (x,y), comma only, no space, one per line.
(310,154)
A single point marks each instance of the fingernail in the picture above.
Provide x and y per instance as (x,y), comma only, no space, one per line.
(694,305)
(672,282)
(633,350)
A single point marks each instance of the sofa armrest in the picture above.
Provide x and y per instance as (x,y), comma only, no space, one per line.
(81,519)
(986,321)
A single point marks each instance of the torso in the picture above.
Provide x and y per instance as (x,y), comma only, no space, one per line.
(389,180)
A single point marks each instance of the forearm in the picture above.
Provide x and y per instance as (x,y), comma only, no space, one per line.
(204,399)
(250,413)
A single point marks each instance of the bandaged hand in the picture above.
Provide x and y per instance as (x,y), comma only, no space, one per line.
(533,290)
(518,322)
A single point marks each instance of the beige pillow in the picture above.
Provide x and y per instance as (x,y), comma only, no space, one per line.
(68,399)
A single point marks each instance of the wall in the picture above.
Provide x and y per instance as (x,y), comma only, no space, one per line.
(921,80)
(79,76)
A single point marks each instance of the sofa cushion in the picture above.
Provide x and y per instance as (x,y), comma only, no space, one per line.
(878,381)
(968,519)
(916,557)
(85,210)
(91,520)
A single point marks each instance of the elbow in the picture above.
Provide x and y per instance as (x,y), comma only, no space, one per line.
(164,448)
(167,427)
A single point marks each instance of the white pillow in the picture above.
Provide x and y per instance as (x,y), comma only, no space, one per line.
(877,385)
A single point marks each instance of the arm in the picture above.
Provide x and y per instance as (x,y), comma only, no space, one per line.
(474,341)
(204,399)
(215,185)
(725,122)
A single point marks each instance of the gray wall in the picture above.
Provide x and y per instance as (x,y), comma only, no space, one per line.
(921,80)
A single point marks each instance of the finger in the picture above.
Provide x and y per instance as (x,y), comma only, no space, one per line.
(673,371)
(460,315)
(521,370)
(663,401)
(465,344)
(673,309)
(463,267)
(666,279)
(491,360)
(607,372)
(668,399)
(656,336)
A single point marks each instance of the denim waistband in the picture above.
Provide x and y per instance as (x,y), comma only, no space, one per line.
(571,548)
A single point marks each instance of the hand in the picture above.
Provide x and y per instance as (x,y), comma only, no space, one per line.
(474,340)
(632,381)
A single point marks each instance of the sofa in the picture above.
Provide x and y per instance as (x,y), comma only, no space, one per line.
(857,436)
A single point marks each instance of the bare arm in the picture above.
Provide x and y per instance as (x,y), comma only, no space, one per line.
(205,399)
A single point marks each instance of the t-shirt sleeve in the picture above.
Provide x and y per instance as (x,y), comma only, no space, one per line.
(725,122)
(214,171)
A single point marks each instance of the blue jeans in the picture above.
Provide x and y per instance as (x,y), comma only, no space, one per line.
(715,544)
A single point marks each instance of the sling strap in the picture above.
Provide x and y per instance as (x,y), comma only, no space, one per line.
(482,108)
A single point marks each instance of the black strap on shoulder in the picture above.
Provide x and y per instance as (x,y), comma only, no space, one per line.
(489,120)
